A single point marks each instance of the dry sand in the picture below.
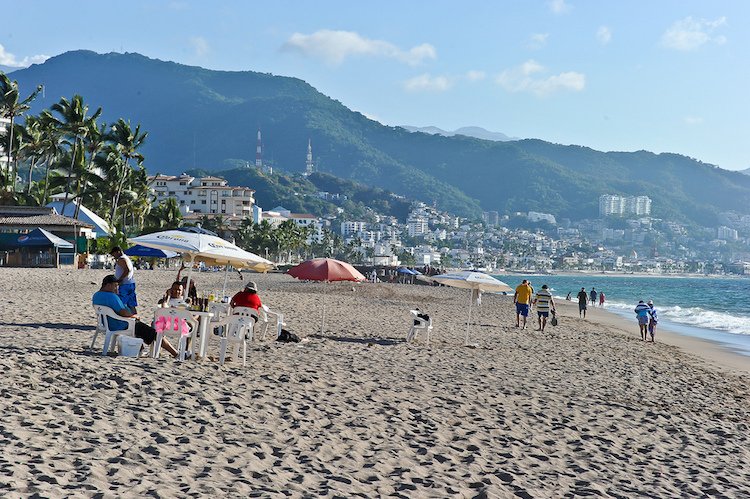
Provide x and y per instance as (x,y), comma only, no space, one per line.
(584,408)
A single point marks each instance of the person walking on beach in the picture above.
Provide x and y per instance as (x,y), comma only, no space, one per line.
(652,320)
(583,299)
(593,297)
(522,300)
(124,273)
(544,303)
(642,313)
(601,298)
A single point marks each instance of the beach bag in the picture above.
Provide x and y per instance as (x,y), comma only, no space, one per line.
(554,319)
(287,336)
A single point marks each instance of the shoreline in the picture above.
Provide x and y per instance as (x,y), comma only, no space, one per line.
(714,353)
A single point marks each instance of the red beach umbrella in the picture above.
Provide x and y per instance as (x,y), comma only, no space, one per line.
(325,269)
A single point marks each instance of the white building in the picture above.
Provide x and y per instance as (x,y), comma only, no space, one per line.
(349,228)
(538,217)
(416,227)
(206,195)
(624,205)
(727,233)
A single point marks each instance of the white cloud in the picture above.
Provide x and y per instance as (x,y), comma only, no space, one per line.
(426,82)
(689,34)
(537,40)
(692,120)
(475,75)
(528,78)
(334,47)
(558,6)
(200,45)
(10,60)
(604,35)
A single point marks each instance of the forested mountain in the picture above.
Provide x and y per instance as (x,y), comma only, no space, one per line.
(199,118)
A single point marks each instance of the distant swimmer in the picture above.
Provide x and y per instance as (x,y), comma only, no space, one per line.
(601,299)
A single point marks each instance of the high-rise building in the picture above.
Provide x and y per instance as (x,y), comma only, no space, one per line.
(624,205)
(259,153)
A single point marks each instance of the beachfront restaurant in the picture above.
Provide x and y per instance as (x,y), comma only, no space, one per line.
(39,237)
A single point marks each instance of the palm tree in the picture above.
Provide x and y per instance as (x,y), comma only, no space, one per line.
(74,123)
(52,147)
(126,142)
(10,107)
(165,216)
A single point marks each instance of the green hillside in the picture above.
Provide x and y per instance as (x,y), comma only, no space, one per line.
(198,118)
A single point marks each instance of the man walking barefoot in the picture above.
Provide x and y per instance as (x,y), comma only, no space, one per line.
(544,303)
(522,299)
(583,299)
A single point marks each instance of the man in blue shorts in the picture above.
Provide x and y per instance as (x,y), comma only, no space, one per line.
(522,299)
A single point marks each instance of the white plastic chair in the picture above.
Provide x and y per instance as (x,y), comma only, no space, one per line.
(171,315)
(238,330)
(265,315)
(419,324)
(102,326)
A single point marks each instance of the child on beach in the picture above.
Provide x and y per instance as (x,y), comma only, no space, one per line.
(642,312)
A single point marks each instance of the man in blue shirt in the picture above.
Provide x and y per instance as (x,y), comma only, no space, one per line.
(107,297)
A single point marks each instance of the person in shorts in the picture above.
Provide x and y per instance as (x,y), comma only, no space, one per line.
(583,299)
(522,300)
(642,313)
(653,319)
(544,303)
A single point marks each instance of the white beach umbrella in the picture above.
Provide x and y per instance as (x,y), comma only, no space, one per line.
(474,281)
(206,248)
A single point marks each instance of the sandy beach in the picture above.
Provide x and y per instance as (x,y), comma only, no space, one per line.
(584,408)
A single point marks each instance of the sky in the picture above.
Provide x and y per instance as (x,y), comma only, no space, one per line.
(663,76)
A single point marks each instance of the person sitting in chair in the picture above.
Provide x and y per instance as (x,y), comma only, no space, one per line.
(247,298)
(174,296)
(107,297)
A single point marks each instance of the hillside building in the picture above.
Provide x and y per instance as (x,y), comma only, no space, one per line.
(204,196)
(624,205)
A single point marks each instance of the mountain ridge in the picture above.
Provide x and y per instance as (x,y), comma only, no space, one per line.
(198,118)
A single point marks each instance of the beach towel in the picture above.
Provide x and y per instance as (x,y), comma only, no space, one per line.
(164,323)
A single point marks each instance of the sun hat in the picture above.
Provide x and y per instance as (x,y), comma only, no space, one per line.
(251,286)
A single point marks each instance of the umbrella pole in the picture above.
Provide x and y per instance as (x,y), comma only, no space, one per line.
(468,321)
(226,277)
(323,314)
(190,270)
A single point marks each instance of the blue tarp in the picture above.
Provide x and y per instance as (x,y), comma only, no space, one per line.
(40,237)
(139,250)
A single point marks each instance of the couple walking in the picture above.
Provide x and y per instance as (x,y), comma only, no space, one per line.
(647,319)
(543,301)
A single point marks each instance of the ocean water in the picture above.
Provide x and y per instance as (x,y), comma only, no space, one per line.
(716,309)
